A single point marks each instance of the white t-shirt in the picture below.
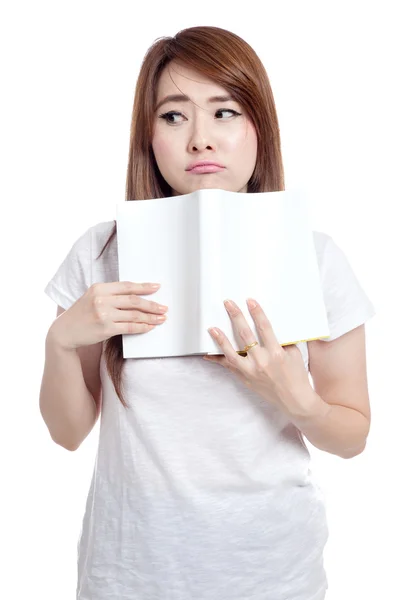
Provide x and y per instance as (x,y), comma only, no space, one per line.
(201,489)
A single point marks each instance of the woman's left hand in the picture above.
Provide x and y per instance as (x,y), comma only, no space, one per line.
(274,372)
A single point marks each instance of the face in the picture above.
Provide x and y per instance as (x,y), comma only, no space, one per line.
(200,129)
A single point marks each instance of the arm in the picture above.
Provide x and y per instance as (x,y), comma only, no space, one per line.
(339,421)
(70,391)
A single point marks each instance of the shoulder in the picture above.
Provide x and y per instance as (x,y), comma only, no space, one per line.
(94,234)
(98,235)
(102,230)
(322,241)
(347,304)
(329,254)
(104,252)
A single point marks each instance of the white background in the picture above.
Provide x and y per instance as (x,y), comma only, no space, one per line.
(68,76)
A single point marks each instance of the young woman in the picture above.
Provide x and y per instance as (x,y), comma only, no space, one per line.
(202,487)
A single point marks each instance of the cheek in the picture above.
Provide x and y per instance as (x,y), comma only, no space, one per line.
(251,137)
(244,138)
(159,146)
(162,144)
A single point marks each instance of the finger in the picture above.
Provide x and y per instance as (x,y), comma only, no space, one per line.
(136,316)
(220,360)
(124,287)
(240,326)
(263,325)
(232,358)
(292,349)
(131,301)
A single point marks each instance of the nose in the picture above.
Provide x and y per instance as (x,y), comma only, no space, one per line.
(200,136)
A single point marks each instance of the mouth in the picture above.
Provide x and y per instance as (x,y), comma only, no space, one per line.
(206,169)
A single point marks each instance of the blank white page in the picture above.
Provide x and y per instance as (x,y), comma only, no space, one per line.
(211,245)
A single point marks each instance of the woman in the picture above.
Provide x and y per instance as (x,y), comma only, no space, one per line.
(202,487)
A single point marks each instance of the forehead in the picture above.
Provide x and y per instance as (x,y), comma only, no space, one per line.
(176,79)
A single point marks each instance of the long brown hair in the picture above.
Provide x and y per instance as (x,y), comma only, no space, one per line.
(229,61)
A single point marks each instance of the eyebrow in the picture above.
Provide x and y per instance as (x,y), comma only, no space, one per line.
(184,98)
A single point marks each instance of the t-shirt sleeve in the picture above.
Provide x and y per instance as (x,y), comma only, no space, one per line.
(73,276)
(347,304)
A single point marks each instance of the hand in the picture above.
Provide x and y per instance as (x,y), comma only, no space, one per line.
(105,310)
(274,372)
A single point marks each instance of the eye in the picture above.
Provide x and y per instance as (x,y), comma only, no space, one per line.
(169,115)
(221,110)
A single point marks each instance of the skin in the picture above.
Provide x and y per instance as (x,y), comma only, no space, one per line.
(204,131)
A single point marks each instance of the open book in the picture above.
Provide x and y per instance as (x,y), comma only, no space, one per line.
(210,245)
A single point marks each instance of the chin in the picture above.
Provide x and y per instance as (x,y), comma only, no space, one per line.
(212,184)
(207,184)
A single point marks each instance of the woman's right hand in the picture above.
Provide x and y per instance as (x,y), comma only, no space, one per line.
(105,310)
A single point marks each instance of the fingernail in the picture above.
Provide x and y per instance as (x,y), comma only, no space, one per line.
(251,303)
(154,286)
(214,332)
